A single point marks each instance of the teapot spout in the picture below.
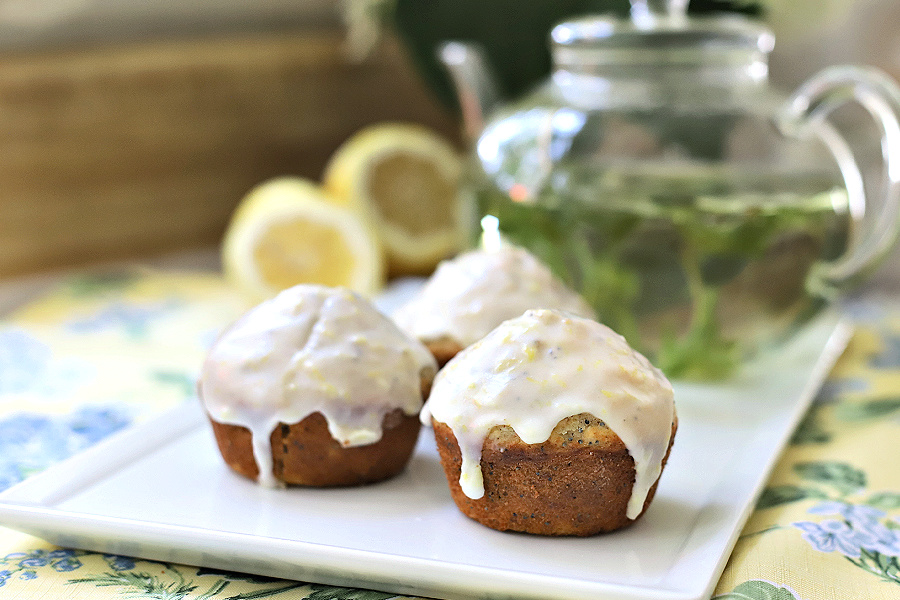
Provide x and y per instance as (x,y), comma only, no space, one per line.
(476,89)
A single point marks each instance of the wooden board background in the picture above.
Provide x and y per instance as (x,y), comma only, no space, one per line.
(136,149)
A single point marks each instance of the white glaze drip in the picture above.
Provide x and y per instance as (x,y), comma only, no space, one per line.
(312,349)
(533,371)
(476,291)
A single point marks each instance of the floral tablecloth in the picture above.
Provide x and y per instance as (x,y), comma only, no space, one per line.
(104,350)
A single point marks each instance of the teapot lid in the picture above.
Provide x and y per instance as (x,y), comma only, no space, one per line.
(659,25)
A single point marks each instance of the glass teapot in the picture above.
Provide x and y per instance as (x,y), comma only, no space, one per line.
(704,215)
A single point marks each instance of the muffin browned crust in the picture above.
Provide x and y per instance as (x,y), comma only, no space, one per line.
(304,453)
(577,483)
(443,350)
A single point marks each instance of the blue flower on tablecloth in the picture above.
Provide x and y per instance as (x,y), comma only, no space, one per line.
(27,366)
(865,310)
(833,390)
(67,564)
(24,564)
(830,536)
(872,311)
(866,529)
(119,563)
(889,357)
(132,319)
(61,560)
(833,535)
(859,514)
(34,561)
(861,536)
(30,442)
(23,360)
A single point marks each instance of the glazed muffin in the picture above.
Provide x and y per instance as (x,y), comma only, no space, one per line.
(315,387)
(552,425)
(471,294)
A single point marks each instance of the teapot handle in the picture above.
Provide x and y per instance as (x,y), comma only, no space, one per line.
(805,115)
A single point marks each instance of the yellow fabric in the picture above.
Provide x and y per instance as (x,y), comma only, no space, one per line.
(102,351)
(844,458)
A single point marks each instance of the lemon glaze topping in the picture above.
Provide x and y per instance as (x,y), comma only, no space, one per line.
(533,371)
(312,349)
(471,294)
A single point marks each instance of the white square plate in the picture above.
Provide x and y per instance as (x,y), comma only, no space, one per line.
(160,491)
